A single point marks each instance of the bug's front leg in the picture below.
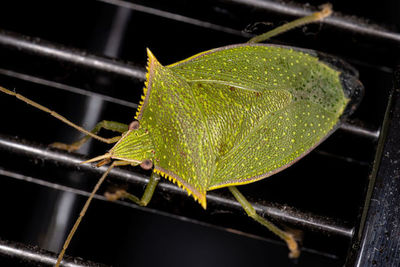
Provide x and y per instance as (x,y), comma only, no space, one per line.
(147,195)
(108,125)
(287,237)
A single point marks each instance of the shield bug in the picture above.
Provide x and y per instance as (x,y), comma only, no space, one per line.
(226,117)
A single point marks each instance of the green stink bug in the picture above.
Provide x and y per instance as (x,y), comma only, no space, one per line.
(231,111)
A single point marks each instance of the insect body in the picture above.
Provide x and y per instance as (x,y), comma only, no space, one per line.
(206,136)
(226,117)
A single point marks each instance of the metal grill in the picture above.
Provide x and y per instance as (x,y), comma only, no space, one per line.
(76,58)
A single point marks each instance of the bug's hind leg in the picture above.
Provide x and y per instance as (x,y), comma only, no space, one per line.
(287,237)
(108,125)
(147,195)
(325,12)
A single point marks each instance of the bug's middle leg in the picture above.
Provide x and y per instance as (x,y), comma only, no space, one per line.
(147,195)
(56,115)
(108,125)
(287,237)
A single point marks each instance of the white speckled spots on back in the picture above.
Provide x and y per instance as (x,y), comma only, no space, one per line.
(263,67)
(237,114)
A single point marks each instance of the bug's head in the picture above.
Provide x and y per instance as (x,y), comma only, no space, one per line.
(135,148)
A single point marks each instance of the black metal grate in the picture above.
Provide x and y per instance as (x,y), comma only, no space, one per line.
(76,58)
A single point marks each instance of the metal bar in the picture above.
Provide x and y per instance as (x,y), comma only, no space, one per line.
(347,23)
(360,131)
(34,256)
(378,239)
(176,17)
(68,88)
(42,48)
(289,215)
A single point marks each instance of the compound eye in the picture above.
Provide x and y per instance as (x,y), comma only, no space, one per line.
(134,125)
(146,164)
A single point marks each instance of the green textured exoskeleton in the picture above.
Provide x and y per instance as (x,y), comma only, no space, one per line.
(215,120)
(229,116)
